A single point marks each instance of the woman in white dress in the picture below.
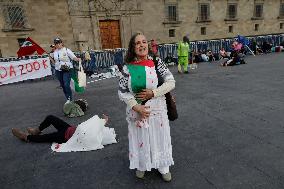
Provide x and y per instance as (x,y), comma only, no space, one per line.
(146,113)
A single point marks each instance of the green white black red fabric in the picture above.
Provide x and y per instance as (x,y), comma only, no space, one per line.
(74,83)
(29,47)
(149,139)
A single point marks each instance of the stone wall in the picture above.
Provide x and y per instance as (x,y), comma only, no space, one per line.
(77,21)
(45,20)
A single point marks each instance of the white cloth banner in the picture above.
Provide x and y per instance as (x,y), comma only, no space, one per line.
(20,70)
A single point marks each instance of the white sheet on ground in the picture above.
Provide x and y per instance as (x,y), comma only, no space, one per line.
(89,135)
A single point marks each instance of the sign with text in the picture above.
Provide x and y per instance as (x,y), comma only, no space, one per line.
(20,70)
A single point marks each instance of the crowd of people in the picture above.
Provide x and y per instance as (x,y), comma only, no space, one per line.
(233,55)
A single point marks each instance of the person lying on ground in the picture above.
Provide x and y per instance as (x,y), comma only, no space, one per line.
(63,134)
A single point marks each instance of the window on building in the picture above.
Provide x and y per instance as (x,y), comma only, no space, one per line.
(230,29)
(203,30)
(204,12)
(256,27)
(281,13)
(15,17)
(172,13)
(281,25)
(172,33)
(232,11)
(258,11)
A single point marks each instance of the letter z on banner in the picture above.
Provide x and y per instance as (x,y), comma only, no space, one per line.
(20,70)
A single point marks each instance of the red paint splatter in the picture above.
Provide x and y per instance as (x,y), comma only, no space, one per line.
(138,125)
(57,146)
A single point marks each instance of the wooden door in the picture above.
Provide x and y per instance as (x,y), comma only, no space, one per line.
(110,34)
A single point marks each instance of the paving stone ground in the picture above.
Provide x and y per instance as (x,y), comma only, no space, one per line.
(229,135)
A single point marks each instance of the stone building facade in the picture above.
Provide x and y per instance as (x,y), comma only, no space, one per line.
(106,24)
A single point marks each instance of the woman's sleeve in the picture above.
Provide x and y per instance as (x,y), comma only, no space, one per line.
(71,54)
(168,78)
(124,93)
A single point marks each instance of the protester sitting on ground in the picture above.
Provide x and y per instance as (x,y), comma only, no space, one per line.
(234,60)
(216,56)
(258,50)
(256,47)
(169,60)
(266,47)
(204,57)
(197,56)
(63,134)
(210,56)
(223,53)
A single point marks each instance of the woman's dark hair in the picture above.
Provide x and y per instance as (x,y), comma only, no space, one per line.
(131,55)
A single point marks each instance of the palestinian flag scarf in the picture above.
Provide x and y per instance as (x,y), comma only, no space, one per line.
(142,75)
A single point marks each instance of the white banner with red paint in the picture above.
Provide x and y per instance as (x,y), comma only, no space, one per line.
(20,70)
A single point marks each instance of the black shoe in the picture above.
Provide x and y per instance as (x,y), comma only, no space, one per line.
(186,72)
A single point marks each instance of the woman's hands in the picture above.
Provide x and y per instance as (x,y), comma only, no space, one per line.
(142,110)
(146,94)
(105,117)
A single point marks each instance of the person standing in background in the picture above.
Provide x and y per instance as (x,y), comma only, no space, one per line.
(154,47)
(63,65)
(183,55)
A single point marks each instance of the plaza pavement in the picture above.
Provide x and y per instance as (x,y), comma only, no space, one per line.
(229,135)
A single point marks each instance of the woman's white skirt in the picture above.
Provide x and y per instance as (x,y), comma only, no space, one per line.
(149,139)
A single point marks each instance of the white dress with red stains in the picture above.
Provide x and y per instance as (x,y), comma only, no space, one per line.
(149,139)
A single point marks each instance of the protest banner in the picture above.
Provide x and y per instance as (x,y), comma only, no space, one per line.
(20,70)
